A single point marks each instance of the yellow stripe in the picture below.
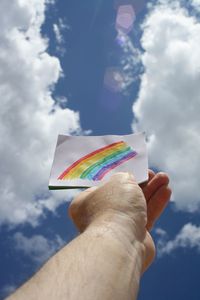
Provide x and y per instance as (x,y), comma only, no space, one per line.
(80,168)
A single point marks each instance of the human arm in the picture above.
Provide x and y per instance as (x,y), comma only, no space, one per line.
(106,260)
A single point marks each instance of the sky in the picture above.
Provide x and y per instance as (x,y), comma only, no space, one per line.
(93,68)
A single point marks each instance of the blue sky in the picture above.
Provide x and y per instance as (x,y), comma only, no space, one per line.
(98,67)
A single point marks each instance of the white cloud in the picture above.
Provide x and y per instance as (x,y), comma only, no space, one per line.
(196,4)
(58,34)
(29,118)
(188,237)
(168,103)
(130,63)
(125,72)
(59,30)
(37,247)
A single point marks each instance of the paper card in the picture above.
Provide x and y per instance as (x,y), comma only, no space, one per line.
(85,161)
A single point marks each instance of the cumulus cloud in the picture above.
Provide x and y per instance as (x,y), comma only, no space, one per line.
(196,4)
(188,237)
(37,247)
(29,118)
(168,102)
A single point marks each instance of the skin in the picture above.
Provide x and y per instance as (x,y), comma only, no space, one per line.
(114,247)
(157,194)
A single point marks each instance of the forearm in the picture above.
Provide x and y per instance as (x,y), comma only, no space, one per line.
(111,268)
(101,263)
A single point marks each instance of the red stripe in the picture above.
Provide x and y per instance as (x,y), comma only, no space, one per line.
(87,156)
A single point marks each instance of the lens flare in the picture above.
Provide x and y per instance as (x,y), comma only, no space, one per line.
(125,18)
(114,79)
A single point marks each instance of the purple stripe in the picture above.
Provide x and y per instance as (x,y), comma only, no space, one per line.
(113,165)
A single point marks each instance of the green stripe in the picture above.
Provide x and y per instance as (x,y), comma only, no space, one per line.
(102,161)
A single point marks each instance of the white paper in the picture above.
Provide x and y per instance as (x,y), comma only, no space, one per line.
(85,161)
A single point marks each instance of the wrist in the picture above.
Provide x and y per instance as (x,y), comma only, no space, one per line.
(127,226)
(121,228)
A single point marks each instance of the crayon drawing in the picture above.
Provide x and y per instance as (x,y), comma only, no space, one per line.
(95,165)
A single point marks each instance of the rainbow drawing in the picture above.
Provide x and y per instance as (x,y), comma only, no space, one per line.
(95,165)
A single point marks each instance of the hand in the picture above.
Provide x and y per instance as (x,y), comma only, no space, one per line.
(122,196)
